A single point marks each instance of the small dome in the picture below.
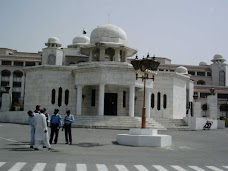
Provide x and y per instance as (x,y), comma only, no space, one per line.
(81,40)
(108,33)
(218,58)
(181,70)
(202,63)
(53,40)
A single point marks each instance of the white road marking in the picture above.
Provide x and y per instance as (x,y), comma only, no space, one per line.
(18,166)
(160,168)
(39,167)
(225,167)
(101,167)
(196,168)
(81,167)
(121,168)
(2,163)
(214,168)
(60,167)
(178,168)
(141,168)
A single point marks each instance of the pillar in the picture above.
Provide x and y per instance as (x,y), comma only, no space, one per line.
(101,99)
(212,106)
(6,102)
(22,88)
(90,55)
(148,101)
(102,54)
(196,110)
(132,100)
(117,55)
(79,100)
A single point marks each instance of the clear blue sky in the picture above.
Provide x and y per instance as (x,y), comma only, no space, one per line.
(186,31)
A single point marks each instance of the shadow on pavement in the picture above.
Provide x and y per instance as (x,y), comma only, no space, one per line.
(87,144)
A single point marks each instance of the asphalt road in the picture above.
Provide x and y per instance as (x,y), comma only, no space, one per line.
(98,146)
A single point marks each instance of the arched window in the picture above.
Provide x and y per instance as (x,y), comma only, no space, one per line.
(66,97)
(159,101)
(5,79)
(221,78)
(201,82)
(17,78)
(53,96)
(96,54)
(152,100)
(6,73)
(109,54)
(164,101)
(60,97)
(51,59)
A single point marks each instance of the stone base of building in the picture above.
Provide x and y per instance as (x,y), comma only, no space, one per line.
(144,138)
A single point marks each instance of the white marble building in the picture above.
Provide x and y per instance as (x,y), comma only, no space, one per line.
(93,76)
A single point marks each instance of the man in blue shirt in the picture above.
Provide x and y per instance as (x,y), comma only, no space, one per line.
(55,124)
(68,120)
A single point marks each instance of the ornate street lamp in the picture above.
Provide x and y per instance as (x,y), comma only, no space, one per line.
(195,97)
(7,88)
(212,90)
(147,68)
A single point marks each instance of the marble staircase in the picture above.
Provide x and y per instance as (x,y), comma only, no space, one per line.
(125,122)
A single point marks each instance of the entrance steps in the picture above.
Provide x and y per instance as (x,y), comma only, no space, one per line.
(115,122)
(173,124)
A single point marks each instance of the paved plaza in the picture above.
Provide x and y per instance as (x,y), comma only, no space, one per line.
(97,150)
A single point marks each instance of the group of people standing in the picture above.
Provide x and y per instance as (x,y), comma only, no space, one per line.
(39,121)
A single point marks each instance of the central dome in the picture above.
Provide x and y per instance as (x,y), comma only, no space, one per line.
(108,33)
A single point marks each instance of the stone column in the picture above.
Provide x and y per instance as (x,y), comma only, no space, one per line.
(101,99)
(212,106)
(196,110)
(22,87)
(148,101)
(132,100)
(90,55)
(79,99)
(102,54)
(6,102)
(117,55)
(11,83)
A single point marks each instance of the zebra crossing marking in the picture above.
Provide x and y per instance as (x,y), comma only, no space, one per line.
(101,167)
(121,168)
(60,167)
(214,168)
(81,167)
(2,163)
(141,168)
(18,166)
(196,168)
(160,168)
(178,168)
(39,167)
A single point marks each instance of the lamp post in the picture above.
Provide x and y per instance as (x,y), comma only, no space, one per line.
(212,90)
(147,68)
(195,97)
(7,88)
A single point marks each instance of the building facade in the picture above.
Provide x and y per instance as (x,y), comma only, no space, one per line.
(93,76)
